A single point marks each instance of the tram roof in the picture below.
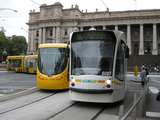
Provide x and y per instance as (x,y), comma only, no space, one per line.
(117,33)
(31,56)
(53,45)
(15,57)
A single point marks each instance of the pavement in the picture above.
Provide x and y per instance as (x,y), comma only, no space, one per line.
(3,67)
(152,106)
(11,82)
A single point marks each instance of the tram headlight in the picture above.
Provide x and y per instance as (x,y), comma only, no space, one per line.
(108,82)
(73,80)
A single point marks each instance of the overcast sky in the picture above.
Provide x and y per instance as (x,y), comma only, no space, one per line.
(15,23)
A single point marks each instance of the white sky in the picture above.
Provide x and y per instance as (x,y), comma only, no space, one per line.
(15,23)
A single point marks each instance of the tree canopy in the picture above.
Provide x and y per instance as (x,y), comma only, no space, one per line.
(15,45)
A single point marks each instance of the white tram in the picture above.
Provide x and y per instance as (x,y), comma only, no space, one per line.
(98,61)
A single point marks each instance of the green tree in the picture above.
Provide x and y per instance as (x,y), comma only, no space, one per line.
(18,45)
(15,45)
(3,44)
(2,40)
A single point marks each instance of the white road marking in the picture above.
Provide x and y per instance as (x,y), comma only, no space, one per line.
(154,90)
(153,114)
(1,95)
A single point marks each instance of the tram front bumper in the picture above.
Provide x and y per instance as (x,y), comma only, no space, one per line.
(109,96)
(92,91)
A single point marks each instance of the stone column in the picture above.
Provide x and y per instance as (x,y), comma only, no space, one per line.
(40,36)
(116,27)
(44,35)
(129,38)
(32,38)
(58,34)
(29,41)
(141,45)
(81,28)
(53,34)
(104,27)
(155,50)
(74,29)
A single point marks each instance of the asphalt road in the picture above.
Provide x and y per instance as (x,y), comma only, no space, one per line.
(11,82)
(152,106)
(58,106)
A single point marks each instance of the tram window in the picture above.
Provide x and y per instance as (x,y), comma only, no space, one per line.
(104,64)
(30,64)
(120,66)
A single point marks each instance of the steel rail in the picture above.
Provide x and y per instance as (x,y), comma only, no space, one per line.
(133,106)
(28,103)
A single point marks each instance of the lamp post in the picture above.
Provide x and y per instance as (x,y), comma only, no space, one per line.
(9,9)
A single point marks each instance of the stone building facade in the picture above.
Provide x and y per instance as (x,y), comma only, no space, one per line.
(54,24)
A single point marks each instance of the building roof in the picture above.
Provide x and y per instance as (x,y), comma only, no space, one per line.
(57,4)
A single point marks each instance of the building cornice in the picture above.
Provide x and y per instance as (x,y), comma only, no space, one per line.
(95,19)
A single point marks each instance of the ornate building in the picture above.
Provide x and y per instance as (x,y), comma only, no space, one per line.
(54,24)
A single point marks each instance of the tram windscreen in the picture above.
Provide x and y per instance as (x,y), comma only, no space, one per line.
(52,61)
(16,63)
(92,53)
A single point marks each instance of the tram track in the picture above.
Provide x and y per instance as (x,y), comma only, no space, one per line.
(98,113)
(40,110)
(60,111)
(86,111)
(18,94)
(35,97)
(79,111)
(58,106)
(92,111)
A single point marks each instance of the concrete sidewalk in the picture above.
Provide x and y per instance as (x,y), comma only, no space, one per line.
(3,67)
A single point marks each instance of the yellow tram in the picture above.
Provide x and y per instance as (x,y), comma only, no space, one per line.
(30,64)
(52,70)
(15,63)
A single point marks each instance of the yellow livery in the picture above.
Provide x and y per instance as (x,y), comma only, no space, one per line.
(15,63)
(52,70)
(30,64)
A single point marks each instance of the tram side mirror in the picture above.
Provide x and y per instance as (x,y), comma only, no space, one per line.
(127,52)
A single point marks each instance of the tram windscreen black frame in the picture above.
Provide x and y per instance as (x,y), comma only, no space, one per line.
(92,52)
(52,61)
